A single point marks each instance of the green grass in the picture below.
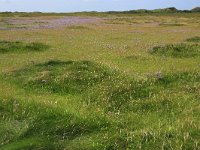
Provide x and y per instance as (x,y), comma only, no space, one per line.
(62,77)
(195,39)
(103,88)
(177,50)
(100,85)
(108,85)
(33,127)
(17,46)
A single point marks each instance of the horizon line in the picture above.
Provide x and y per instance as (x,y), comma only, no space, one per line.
(96,10)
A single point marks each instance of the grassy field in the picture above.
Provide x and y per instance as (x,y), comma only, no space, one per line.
(123,82)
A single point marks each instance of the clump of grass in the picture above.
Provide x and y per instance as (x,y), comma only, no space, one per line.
(78,27)
(135,57)
(17,46)
(177,50)
(100,85)
(69,77)
(183,77)
(35,46)
(171,24)
(194,39)
(117,92)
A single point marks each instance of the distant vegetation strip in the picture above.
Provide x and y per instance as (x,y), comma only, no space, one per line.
(95,13)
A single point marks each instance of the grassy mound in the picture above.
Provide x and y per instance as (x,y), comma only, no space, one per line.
(62,77)
(177,50)
(98,84)
(194,39)
(29,126)
(16,46)
(95,83)
(118,95)
(123,93)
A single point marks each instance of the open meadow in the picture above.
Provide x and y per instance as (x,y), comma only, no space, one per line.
(100,81)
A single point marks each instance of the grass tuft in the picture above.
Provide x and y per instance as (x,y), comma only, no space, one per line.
(177,50)
(194,39)
(17,46)
(171,24)
(75,27)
